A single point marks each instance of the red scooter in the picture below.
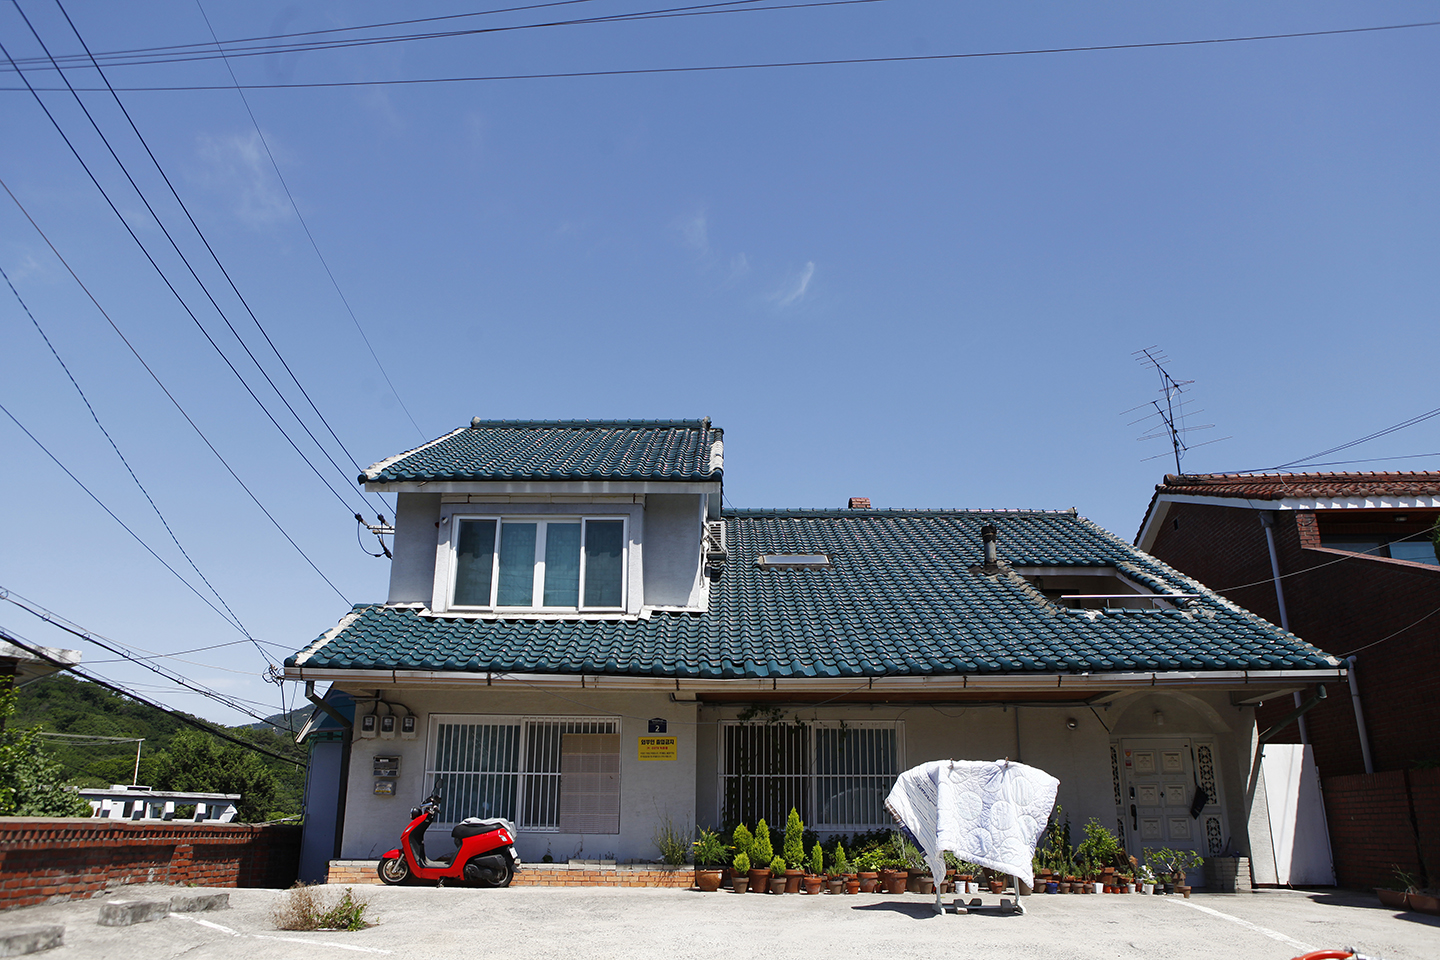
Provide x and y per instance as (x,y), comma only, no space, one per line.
(485,853)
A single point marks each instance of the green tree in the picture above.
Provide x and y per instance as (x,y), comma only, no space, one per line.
(31,782)
(199,763)
(794,846)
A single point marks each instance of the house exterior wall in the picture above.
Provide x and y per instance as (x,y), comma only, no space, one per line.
(673,524)
(412,566)
(1339,607)
(649,789)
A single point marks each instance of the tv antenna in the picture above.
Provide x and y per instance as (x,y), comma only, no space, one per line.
(1169,407)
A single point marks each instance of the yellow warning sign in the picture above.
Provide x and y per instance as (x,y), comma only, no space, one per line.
(658,748)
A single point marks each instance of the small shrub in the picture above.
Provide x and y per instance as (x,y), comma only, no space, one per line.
(817,860)
(305,909)
(794,846)
(742,840)
(777,867)
(762,851)
(839,864)
(709,850)
(741,864)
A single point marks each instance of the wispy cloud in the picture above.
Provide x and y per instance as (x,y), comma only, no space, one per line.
(237,166)
(795,287)
(695,232)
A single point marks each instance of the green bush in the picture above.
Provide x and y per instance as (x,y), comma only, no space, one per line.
(31,782)
(741,864)
(762,851)
(742,840)
(305,909)
(777,867)
(838,863)
(672,842)
(709,851)
(817,859)
(794,845)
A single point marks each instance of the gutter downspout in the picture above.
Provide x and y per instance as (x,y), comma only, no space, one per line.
(346,730)
(1267,520)
(1359,716)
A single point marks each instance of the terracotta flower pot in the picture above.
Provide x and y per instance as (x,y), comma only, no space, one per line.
(835,884)
(793,879)
(894,880)
(925,886)
(868,881)
(759,879)
(777,884)
(997,886)
(813,883)
(740,883)
(707,880)
(852,884)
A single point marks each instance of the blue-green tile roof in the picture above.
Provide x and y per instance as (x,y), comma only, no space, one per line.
(901,598)
(560,450)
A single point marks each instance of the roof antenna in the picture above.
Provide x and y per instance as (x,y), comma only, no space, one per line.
(1169,408)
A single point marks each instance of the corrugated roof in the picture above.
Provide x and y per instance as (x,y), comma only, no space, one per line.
(900,597)
(1281,486)
(560,450)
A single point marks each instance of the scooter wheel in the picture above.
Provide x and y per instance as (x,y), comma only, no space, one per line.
(503,880)
(393,870)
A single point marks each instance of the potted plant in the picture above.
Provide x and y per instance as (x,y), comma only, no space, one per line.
(867,871)
(709,854)
(1174,864)
(740,873)
(839,867)
(761,853)
(1146,878)
(815,870)
(793,849)
(996,881)
(777,874)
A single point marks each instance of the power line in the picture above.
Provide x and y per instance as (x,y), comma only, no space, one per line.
(233,618)
(209,728)
(310,236)
(1418,418)
(166,390)
(188,53)
(138,539)
(160,271)
(104,643)
(196,227)
(710,68)
(1343,463)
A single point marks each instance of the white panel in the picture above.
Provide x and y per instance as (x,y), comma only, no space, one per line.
(590,783)
(1298,833)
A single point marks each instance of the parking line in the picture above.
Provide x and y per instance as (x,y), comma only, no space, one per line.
(261,936)
(1272,934)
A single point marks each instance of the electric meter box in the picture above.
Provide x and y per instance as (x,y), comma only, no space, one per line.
(407,727)
(367,726)
(387,767)
(387,727)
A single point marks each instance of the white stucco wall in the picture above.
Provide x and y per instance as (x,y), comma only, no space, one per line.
(412,569)
(673,526)
(648,789)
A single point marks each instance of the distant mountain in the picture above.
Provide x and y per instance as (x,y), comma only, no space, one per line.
(287,724)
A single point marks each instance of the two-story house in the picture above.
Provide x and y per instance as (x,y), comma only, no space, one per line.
(581,638)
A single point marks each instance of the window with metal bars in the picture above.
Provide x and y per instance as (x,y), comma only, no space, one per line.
(836,774)
(542,773)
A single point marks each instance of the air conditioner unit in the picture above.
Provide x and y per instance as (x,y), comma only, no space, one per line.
(715,545)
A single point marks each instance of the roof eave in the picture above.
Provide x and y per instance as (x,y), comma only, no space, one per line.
(526,485)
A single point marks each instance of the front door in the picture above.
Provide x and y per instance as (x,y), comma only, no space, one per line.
(1159,785)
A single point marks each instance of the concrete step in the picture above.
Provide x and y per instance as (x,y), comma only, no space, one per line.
(19,941)
(125,913)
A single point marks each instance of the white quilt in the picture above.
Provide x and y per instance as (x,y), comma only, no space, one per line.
(990,813)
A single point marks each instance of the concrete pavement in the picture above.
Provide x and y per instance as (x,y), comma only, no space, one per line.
(653,924)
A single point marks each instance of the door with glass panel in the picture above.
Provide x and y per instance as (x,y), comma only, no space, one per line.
(560,563)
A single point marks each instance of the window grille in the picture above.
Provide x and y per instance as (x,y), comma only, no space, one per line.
(837,775)
(512,770)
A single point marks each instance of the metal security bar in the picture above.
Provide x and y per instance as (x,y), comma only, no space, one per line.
(540,806)
(836,774)
(477,769)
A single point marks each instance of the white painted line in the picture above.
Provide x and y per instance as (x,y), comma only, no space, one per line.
(1272,934)
(260,936)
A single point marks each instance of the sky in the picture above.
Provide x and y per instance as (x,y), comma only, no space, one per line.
(920,280)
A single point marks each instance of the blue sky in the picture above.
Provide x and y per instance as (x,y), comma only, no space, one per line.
(920,282)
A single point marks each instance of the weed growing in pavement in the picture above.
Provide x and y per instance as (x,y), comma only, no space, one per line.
(305,908)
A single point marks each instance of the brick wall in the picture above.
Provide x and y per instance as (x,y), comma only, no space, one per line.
(1339,607)
(549,874)
(45,858)
(1382,821)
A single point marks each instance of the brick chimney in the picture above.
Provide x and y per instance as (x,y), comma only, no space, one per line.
(859,503)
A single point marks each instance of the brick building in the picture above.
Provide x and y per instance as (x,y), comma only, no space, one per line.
(1358,576)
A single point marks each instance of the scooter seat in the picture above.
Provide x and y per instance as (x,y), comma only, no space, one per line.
(473,827)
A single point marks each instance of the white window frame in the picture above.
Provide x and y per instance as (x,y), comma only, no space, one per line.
(542,522)
(811,773)
(527,724)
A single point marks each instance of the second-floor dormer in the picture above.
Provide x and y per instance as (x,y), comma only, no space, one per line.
(587,518)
